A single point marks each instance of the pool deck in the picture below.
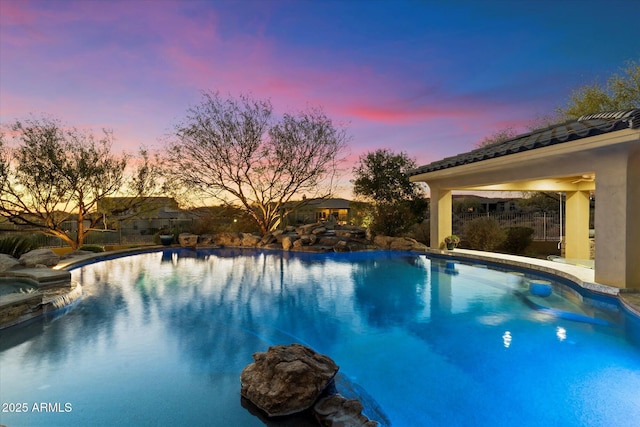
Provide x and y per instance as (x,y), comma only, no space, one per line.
(582,276)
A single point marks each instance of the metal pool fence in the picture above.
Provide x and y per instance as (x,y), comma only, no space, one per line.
(125,234)
(546,226)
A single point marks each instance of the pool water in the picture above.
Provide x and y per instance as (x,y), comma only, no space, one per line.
(16,286)
(161,338)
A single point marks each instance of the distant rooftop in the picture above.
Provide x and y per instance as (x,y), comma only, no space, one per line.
(583,127)
(334,203)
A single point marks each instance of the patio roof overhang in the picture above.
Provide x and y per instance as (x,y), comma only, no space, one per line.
(596,152)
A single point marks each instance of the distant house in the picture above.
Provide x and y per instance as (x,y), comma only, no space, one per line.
(151,207)
(319,210)
(143,218)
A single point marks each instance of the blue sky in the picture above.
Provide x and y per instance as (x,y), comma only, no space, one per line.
(430,78)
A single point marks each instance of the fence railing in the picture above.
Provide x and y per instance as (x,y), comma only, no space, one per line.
(125,234)
(546,226)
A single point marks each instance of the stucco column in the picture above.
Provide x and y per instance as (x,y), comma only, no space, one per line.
(617,226)
(577,225)
(440,221)
(633,223)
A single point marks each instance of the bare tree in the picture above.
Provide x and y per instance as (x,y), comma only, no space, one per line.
(55,174)
(235,152)
(4,162)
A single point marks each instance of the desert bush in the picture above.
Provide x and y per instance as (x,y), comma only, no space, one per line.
(420,232)
(391,220)
(397,219)
(17,245)
(517,240)
(484,234)
(219,219)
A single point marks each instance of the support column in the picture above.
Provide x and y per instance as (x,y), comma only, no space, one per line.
(617,227)
(577,225)
(632,241)
(440,221)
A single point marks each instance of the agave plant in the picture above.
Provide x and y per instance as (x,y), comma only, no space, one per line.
(17,245)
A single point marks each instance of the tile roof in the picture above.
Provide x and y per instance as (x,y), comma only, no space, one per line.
(335,203)
(583,127)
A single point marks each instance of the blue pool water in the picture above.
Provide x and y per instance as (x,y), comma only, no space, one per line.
(160,339)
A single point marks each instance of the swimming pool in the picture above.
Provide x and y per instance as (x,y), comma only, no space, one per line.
(16,285)
(160,338)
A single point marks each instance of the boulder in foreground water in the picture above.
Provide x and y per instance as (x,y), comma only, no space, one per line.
(286,379)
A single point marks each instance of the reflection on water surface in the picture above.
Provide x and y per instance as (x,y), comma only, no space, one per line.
(160,338)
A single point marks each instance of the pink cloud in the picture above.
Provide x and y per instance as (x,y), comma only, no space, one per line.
(139,91)
(16,13)
(403,114)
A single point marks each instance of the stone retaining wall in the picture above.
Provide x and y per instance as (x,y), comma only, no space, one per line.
(318,237)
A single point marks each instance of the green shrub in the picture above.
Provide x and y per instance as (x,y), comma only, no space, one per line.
(17,245)
(484,234)
(393,219)
(91,248)
(518,239)
(420,232)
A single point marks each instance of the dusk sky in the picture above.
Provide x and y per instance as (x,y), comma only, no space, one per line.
(430,78)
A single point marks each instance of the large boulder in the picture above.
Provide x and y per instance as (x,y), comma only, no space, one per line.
(230,238)
(288,241)
(383,241)
(305,239)
(227,238)
(286,379)
(249,240)
(399,243)
(307,228)
(206,240)
(319,230)
(419,247)
(268,239)
(341,246)
(36,257)
(188,240)
(7,262)
(328,240)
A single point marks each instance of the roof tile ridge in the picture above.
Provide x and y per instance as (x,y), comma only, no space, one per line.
(631,115)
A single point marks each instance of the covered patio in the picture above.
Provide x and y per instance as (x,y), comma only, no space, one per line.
(597,153)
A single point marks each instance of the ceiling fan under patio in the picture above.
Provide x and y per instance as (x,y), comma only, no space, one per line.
(584,178)
(587,177)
